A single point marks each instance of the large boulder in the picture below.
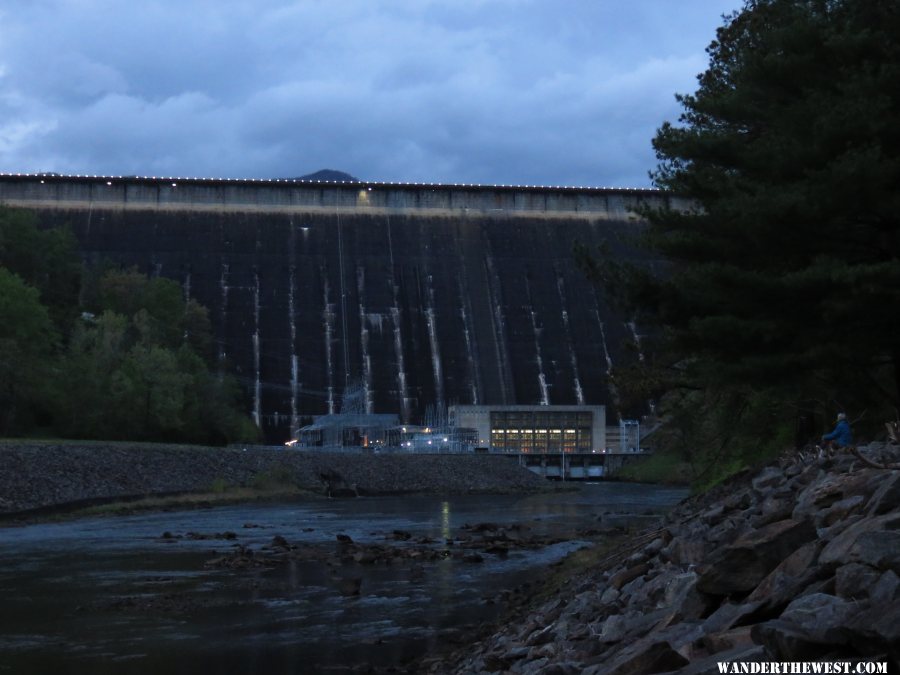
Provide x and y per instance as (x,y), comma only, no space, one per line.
(821,494)
(728,615)
(657,653)
(876,630)
(739,567)
(789,578)
(886,497)
(710,665)
(854,581)
(872,541)
(810,625)
(886,590)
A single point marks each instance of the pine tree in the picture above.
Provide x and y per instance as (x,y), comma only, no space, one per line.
(786,271)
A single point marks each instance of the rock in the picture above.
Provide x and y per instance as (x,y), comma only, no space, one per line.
(853,581)
(686,552)
(279,542)
(533,667)
(791,575)
(787,641)
(832,488)
(634,588)
(611,629)
(773,509)
(886,590)
(682,600)
(727,615)
(562,668)
(540,637)
(826,534)
(473,558)
(497,548)
(886,498)
(839,510)
(713,515)
(874,541)
(740,500)
(767,478)
(506,657)
(623,576)
(401,535)
(644,656)
(825,586)
(199,536)
(609,596)
(636,558)
(739,567)
(727,640)
(241,558)
(349,587)
(878,549)
(654,547)
(726,531)
(654,590)
(876,629)
(344,539)
(820,614)
(710,664)
(808,625)
(627,626)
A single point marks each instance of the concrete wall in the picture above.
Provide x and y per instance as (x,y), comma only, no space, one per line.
(424,294)
(274,195)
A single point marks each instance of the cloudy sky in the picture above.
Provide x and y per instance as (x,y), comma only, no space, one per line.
(475,91)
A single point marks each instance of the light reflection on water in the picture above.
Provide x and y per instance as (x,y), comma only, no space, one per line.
(58,580)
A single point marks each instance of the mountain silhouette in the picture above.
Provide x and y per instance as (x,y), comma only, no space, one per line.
(329,175)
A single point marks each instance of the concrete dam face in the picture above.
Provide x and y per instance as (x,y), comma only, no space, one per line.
(419,295)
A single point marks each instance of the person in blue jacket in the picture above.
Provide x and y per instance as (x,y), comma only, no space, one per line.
(842,436)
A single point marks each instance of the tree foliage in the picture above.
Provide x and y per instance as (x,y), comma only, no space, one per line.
(131,363)
(784,275)
(27,338)
(45,259)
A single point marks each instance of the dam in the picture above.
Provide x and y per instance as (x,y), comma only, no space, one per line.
(424,295)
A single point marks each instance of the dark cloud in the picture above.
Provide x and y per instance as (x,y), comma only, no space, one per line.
(491,91)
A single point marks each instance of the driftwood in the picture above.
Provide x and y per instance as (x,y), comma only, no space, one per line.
(869,462)
(893,431)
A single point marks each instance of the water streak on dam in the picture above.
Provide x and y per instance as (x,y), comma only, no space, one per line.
(422,294)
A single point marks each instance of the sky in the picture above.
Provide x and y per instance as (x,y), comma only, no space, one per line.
(524,92)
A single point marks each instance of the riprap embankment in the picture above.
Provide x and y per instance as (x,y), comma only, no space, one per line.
(47,476)
(796,562)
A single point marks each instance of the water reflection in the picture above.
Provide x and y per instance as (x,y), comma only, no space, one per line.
(445,520)
(67,586)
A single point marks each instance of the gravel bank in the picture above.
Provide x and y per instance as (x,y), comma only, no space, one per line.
(50,475)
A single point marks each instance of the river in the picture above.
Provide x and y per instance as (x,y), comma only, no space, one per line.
(113,595)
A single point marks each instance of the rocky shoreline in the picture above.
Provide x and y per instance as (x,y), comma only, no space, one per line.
(37,476)
(797,562)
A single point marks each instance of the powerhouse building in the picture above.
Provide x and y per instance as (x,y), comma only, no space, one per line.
(536,429)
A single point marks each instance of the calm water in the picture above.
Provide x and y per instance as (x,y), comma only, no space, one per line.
(108,595)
